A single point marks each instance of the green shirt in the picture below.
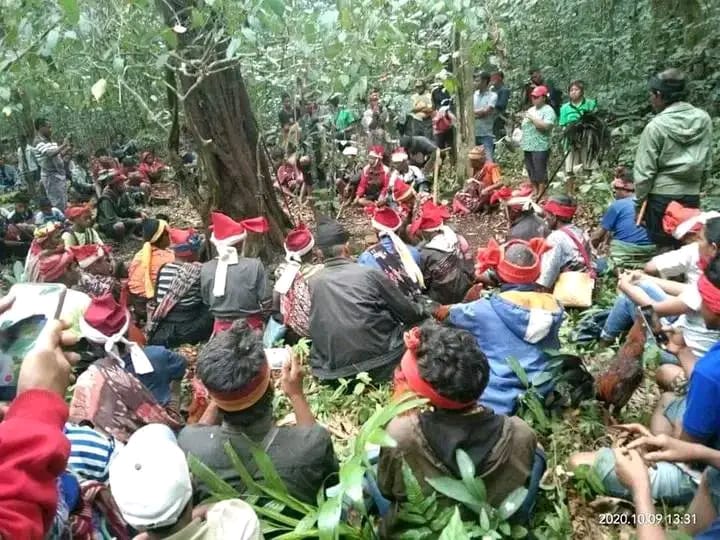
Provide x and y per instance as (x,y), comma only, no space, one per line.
(344,119)
(534,140)
(570,113)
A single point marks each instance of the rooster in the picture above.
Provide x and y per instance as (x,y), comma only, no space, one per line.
(616,385)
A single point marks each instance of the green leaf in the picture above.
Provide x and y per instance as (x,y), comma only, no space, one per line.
(351,478)
(512,502)
(455,490)
(329,518)
(413,490)
(276,6)
(5,93)
(484,520)
(268,470)
(198,18)
(307,523)
(518,531)
(543,378)
(71,10)
(245,476)
(381,438)
(216,485)
(518,370)
(232,48)
(455,530)
(118,64)
(248,33)
(169,37)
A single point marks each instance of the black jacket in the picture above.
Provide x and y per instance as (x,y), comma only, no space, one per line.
(356,319)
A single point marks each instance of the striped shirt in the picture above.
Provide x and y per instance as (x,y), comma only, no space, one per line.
(165,277)
(90,452)
(48,158)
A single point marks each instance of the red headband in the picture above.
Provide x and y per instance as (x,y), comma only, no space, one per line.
(245,397)
(560,210)
(409,374)
(710,294)
(493,256)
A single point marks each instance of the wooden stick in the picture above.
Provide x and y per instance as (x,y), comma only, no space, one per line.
(436,184)
(641,213)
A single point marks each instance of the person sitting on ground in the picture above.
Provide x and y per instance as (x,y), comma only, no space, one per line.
(357,313)
(128,386)
(348,177)
(446,366)
(523,215)
(374,178)
(21,221)
(518,321)
(630,245)
(177,314)
(236,373)
(103,162)
(145,265)
(97,271)
(476,195)
(47,213)
(81,232)
(116,216)
(232,286)
(291,294)
(290,178)
(409,174)
(138,185)
(82,185)
(695,415)
(398,261)
(8,175)
(151,168)
(444,256)
(48,261)
(151,484)
(401,197)
(569,244)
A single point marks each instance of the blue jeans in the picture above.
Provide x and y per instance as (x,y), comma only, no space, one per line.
(487,142)
(622,315)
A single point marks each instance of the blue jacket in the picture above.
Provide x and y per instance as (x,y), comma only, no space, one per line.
(366,258)
(513,323)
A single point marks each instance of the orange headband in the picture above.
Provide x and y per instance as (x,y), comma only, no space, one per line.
(245,397)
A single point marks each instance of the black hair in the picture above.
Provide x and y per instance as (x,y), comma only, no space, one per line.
(40,122)
(44,201)
(484,76)
(565,200)
(712,231)
(262,408)
(128,161)
(520,255)
(671,85)
(330,252)
(534,70)
(231,359)
(579,83)
(712,272)
(101,152)
(450,360)
(284,96)
(499,74)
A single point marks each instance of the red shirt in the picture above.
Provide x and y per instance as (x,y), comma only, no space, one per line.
(369,177)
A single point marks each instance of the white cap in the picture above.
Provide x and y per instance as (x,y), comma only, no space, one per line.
(350,151)
(150,479)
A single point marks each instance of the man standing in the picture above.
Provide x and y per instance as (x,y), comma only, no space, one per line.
(50,159)
(484,103)
(356,314)
(674,156)
(497,79)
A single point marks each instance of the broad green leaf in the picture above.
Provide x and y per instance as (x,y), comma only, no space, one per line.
(455,490)
(455,530)
(329,518)
(169,37)
(518,370)
(248,33)
(198,18)
(215,485)
(5,93)
(543,378)
(484,520)
(70,10)
(413,490)
(351,478)
(465,465)
(512,502)
(276,6)
(381,438)
(232,48)
(518,531)
(98,89)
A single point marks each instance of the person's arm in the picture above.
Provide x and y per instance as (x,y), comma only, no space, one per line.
(362,187)
(666,307)
(646,159)
(543,122)
(291,382)
(107,213)
(52,150)
(598,237)
(406,311)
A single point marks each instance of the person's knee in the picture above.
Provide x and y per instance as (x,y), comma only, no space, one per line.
(581,458)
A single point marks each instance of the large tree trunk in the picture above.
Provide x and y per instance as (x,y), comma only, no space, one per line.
(465,139)
(220,116)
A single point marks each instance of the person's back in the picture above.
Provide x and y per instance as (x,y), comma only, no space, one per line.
(355,319)
(619,219)
(448,275)
(528,226)
(245,291)
(302,455)
(683,136)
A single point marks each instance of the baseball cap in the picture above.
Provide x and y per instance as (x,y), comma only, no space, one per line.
(540,91)
(150,479)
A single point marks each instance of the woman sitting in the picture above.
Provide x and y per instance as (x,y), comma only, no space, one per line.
(151,168)
(48,261)
(144,268)
(446,366)
(97,271)
(477,194)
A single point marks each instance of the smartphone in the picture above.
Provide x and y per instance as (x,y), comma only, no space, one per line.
(277,356)
(35,305)
(647,313)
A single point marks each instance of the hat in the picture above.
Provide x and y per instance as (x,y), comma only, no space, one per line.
(116,177)
(493,256)
(105,315)
(477,152)
(88,254)
(376,151)
(399,155)
(556,208)
(42,233)
(350,151)
(184,241)
(432,217)
(692,225)
(74,212)
(402,190)
(330,232)
(540,91)
(150,478)
(299,242)
(386,219)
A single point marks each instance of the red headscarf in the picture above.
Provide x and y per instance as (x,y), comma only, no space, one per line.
(710,294)
(564,211)
(407,376)
(493,256)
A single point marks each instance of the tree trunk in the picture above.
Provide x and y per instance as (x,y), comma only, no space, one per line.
(174,107)
(465,138)
(219,113)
